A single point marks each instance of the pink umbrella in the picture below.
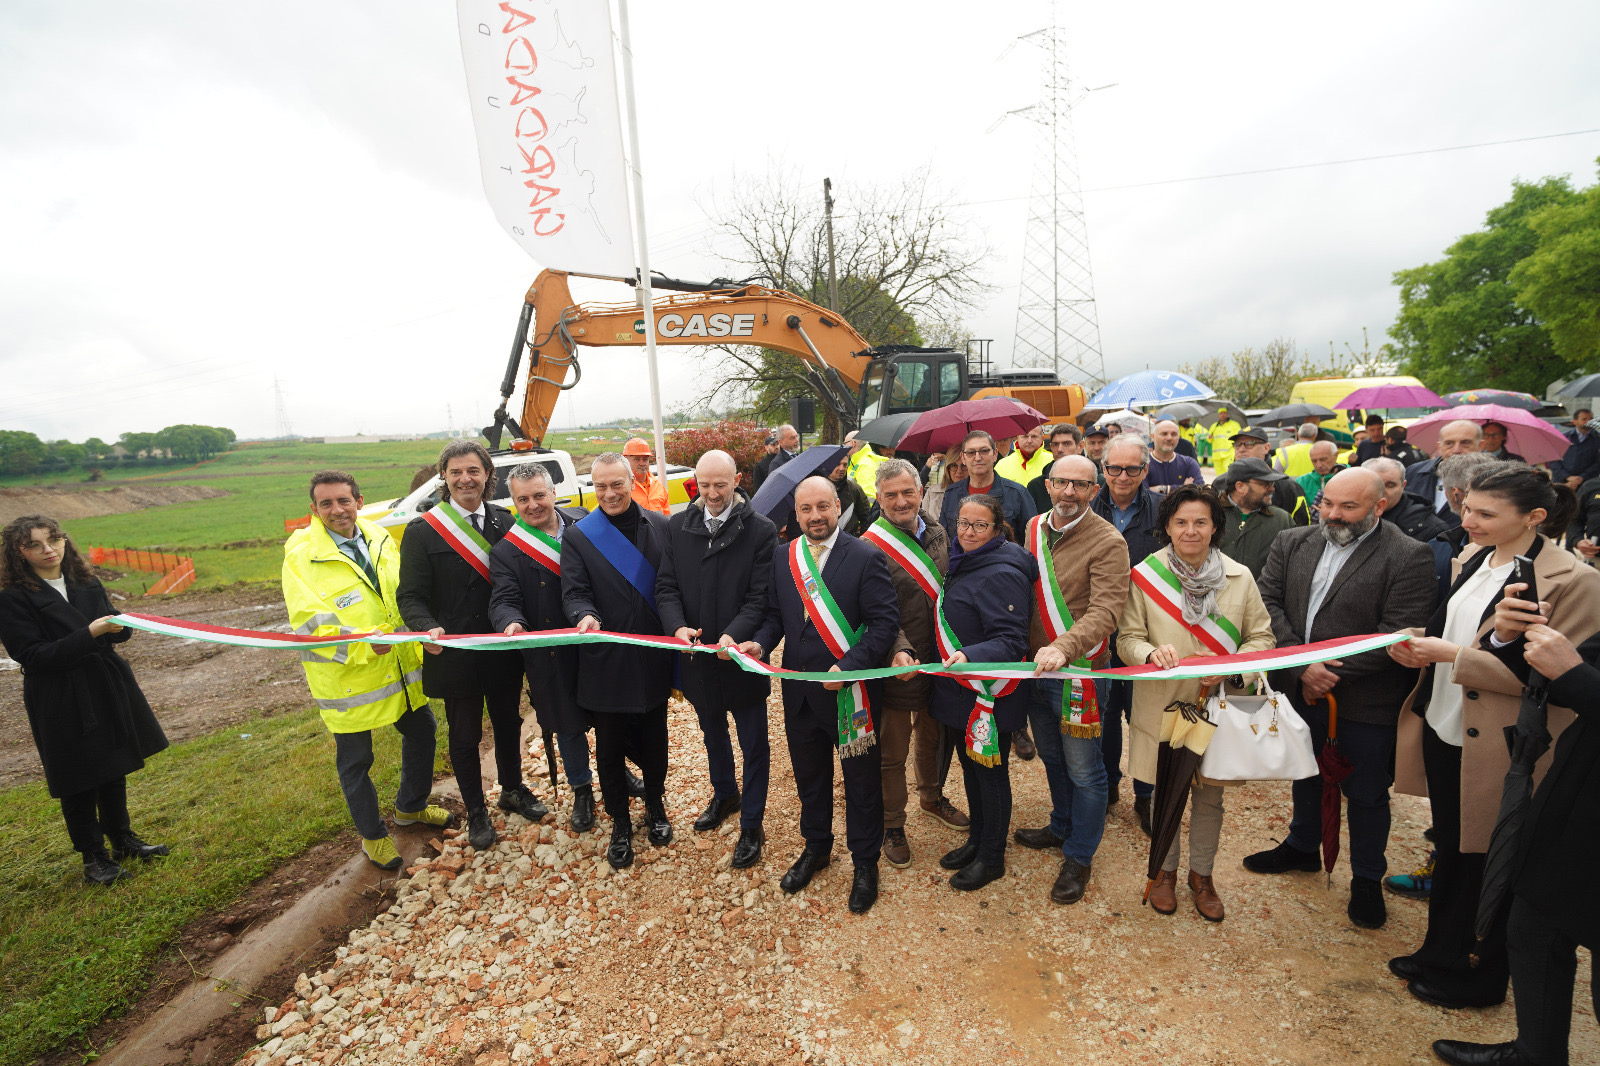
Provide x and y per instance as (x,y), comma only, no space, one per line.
(1384,396)
(943,428)
(1527,435)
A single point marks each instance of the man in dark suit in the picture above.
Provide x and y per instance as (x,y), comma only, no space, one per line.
(1351,575)
(764,465)
(609,562)
(712,589)
(444,588)
(525,571)
(1422,479)
(857,578)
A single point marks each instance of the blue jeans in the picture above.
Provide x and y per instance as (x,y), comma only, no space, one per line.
(574,749)
(1075,771)
(1370,749)
(1116,706)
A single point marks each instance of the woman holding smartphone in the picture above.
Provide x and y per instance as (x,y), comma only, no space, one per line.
(1452,746)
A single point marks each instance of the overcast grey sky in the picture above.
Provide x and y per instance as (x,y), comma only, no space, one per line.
(196,199)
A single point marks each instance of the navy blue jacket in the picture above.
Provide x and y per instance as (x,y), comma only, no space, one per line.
(986,601)
(1014,499)
(1140,534)
(1582,459)
(1422,479)
(857,575)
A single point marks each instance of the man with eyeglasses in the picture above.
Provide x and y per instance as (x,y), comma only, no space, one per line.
(1065,439)
(1129,505)
(980,453)
(1254,443)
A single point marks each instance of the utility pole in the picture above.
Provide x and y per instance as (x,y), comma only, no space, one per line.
(833,282)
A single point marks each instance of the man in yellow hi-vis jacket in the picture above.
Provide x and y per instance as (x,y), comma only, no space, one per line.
(339,577)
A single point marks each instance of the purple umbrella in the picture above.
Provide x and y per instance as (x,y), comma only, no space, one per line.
(1385,396)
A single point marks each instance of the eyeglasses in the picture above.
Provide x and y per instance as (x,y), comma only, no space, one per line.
(977,451)
(1124,471)
(976,527)
(1063,482)
(36,546)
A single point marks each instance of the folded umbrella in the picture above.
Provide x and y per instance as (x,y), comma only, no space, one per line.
(1527,435)
(943,428)
(775,498)
(1529,740)
(1185,733)
(1335,768)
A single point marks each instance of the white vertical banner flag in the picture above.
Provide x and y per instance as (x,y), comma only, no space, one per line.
(542,81)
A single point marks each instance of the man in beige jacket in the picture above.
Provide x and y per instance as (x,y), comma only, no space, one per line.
(1083,582)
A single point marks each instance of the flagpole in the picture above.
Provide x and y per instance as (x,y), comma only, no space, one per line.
(645,293)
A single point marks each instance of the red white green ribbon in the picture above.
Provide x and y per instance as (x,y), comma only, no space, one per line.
(537,545)
(855,711)
(448,521)
(1080,703)
(903,548)
(1163,586)
(983,737)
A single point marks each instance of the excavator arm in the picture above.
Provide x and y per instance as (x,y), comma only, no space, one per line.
(552,327)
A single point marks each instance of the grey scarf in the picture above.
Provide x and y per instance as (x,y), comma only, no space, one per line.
(1200,584)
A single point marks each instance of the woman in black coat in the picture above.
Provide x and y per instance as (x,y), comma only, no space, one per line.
(90,722)
(985,605)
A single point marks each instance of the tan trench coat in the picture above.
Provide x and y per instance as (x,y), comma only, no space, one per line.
(1145,626)
(1493,696)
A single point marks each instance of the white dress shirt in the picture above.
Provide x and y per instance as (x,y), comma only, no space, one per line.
(1461,622)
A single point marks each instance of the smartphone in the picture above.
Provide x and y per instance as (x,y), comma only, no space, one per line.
(1522,570)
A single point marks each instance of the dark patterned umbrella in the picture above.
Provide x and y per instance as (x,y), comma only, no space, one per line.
(1504,397)
(1335,768)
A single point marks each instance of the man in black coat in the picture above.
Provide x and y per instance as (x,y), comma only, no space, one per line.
(1410,512)
(525,570)
(1350,575)
(1455,438)
(712,589)
(857,577)
(444,588)
(609,563)
(764,465)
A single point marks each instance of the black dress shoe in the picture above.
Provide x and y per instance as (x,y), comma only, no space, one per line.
(1465,1053)
(1367,908)
(1282,859)
(804,869)
(962,857)
(520,800)
(1070,882)
(620,853)
(98,869)
(864,888)
(480,831)
(660,828)
(126,845)
(747,852)
(1405,967)
(1041,839)
(975,875)
(716,812)
(1450,999)
(582,809)
(635,784)
(1141,807)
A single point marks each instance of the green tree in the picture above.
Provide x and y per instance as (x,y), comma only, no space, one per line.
(1461,325)
(21,452)
(96,447)
(68,453)
(1559,281)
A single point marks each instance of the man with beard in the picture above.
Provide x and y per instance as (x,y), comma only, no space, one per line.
(833,604)
(713,590)
(1250,521)
(1350,575)
(1065,439)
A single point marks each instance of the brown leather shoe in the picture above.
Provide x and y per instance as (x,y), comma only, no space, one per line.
(1206,900)
(947,813)
(895,849)
(1164,893)
(1022,745)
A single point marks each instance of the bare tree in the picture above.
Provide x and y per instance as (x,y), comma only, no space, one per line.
(1264,377)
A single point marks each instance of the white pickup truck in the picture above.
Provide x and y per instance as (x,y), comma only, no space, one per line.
(574,489)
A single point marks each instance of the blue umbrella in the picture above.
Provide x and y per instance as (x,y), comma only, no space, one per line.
(775,498)
(1151,386)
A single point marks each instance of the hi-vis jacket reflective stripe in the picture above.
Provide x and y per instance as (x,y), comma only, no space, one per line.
(327,594)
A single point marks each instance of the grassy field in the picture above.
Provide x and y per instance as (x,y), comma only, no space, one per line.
(230,808)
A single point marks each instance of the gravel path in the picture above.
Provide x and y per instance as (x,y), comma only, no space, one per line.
(537,952)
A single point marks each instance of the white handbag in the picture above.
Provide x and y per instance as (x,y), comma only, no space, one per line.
(1258,738)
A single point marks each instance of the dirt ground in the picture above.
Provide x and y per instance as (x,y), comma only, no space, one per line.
(86,502)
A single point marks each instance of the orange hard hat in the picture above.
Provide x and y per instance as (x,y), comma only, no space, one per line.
(636,446)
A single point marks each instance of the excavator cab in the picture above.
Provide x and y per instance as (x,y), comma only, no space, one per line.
(902,378)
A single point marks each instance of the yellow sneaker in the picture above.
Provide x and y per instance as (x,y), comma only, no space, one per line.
(429,815)
(382,853)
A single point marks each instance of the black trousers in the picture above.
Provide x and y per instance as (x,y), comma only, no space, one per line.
(810,725)
(1544,966)
(465,716)
(989,801)
(638,738)
(1457,883)
(754,746)
(93,814)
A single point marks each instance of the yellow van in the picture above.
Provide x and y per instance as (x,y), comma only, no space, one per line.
(1329,391)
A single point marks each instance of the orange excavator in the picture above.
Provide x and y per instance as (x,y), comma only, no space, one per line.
(856,380)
